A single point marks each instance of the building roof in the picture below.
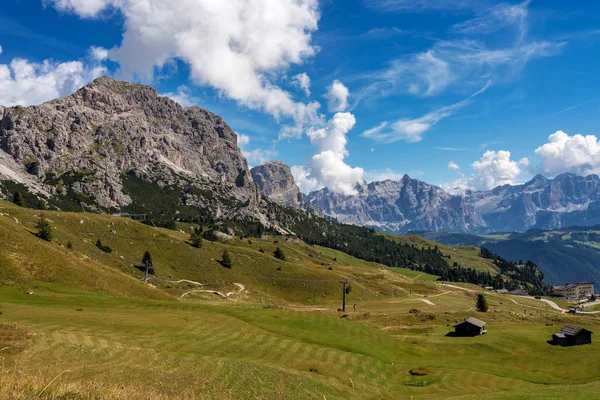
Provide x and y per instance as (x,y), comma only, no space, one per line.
(565,287)
(570,330)
(473,321)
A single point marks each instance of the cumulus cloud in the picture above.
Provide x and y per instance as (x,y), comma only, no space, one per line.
(98,53)
(0,49)
(255,156)
(577,154)
(303,179)
(25,83)
(239,49)
(412,130)
(453,166)
(337,96)
(183,96)
(494,169)
(302,81)
(327,167)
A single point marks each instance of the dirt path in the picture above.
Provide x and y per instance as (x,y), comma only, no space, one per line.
(206,291)
(441,294)
(431,303)
(227,295)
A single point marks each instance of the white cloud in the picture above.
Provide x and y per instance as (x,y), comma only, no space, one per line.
(462,61)
(302,81)
(495,19)
(303,179)
(327,166)
(98,53)
(0,49)
(494,169)
(239,48)
(26,83)
(256,156)
(419,5)
(84,8)
(382,175)
(577,154)
(453,166)
(183,96)
(412,130)
(337,96)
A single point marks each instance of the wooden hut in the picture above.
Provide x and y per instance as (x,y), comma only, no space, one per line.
(470,327)
(572,336)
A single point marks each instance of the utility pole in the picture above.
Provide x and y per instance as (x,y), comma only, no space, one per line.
(344,282)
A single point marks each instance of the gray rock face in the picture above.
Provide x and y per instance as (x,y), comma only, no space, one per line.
(399,207)
(542,203)
(109,128)
(275,180)
(412,205)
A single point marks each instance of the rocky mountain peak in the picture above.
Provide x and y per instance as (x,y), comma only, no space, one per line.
(88,141)
(275,180)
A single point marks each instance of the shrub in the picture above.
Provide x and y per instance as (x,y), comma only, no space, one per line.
(420,371)
(226,260)
(261,250)
(103,247)
(44,229)
(278,253)
(481,304)
(196,239)
(69,245)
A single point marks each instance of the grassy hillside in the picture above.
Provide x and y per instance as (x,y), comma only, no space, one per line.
(563,255)
(309,274)
(91,329)
(465,256)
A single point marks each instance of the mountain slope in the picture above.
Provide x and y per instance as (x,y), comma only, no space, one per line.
(402,206)
(563,255)
(78,149)
(275,180)
(412,205)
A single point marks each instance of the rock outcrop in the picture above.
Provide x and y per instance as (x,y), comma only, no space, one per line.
(400,206)
(275,181)
(412,205)
(88,141)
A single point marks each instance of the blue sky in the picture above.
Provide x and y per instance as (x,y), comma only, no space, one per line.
(461,93)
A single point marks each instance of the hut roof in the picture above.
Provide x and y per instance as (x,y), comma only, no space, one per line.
(570,330)
(473,321)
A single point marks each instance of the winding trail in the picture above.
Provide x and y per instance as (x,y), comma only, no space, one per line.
(227,295)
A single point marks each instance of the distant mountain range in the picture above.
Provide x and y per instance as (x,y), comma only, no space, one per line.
(413,205)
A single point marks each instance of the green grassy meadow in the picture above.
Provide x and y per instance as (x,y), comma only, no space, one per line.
(91,330)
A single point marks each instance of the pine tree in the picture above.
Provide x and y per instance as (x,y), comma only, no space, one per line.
(18,199)
(481,304)
(147,259)
(196,238)
(278,253)
(226,260)
(44,229)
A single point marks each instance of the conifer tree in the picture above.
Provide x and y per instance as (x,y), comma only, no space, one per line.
(44,229)
(278,253)
(226,260)
(481,305)
(18,199)
(196,238)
